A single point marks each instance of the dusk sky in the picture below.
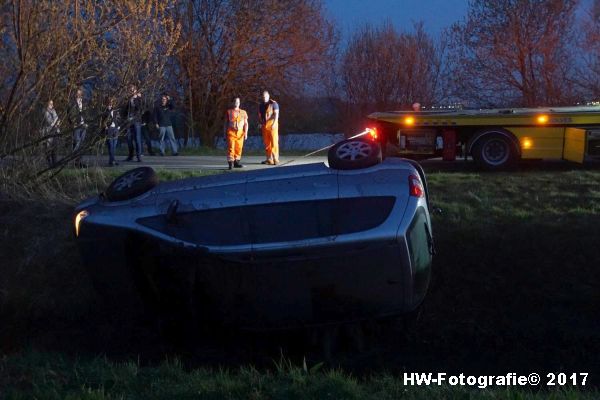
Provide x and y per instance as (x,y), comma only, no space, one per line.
(436,14)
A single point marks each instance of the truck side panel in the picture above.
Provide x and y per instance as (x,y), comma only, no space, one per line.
(574,145)
(540,142)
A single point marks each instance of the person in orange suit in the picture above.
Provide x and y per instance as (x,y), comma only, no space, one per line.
(268,115)
(236,131)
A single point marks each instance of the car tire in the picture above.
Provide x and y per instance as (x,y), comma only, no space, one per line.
(494,152)
(354,154)
(131,184)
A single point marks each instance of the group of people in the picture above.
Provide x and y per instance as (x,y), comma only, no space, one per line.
(130,118)
(236,130)
(51,129)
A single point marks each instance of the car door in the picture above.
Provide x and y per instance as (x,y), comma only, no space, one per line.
(291,210)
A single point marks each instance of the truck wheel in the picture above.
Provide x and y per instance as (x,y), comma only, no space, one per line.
(132,184)
(354,154)
(495,152)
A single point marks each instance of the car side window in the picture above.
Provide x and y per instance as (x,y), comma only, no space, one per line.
(275,222)
(290,221)
(357,214)
(316,218)
(215,227)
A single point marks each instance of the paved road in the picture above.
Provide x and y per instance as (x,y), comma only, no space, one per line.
(219,163)
(199,162)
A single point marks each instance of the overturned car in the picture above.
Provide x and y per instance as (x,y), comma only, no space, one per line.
(276,248)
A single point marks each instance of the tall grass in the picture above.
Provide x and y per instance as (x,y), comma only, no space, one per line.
(52,376)
(515,288)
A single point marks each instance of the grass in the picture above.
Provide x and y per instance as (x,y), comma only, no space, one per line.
(76,184)
(516,288)
(52,376)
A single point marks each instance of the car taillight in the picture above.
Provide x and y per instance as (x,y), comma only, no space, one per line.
(415,186)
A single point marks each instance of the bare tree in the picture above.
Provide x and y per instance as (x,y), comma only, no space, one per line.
(49,49)
(383,69)
(589,71)
(237,48)
(515,52)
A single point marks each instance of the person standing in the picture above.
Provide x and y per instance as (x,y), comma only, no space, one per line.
(236,131)
(416,107)
(77,117)
(164,124)
(111,119)
(51,131)
(146,134)
(268,115)
(134,119)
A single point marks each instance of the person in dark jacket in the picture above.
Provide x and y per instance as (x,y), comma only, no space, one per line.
(146,126)
(111,120)
(163,120)
(134,121)
(78,119)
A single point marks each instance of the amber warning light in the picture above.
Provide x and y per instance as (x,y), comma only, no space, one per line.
(409,120)
(372,132)
(542,119)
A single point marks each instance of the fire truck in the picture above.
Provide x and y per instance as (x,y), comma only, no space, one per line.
(496,138)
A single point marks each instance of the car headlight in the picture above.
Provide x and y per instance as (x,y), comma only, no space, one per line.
(81,215)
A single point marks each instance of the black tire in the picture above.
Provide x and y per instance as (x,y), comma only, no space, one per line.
(131,184)
(354,154)
(494,152)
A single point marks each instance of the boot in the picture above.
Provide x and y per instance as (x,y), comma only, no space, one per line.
(237,164)
(230,164)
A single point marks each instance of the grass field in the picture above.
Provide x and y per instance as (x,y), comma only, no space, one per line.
(48,376)
(516,288)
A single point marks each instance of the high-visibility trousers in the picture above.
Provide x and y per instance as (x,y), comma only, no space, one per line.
(235,143)
(270,132)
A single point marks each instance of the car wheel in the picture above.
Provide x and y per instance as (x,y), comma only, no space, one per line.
(132,184)
(495,152)
(354,154)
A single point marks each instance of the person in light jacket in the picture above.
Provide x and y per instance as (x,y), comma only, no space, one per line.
(51,131)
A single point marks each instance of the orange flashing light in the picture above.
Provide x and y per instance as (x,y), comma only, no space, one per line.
(542,119)
(409,121)
(372,132)
(527,143)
